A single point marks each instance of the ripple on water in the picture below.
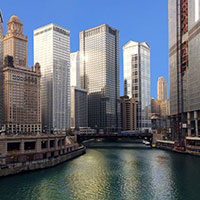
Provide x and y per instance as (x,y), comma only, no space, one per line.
(110,174)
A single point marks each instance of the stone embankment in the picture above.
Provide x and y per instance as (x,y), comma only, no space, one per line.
(17,168)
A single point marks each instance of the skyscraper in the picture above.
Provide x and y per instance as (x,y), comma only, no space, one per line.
(99,51)
(52,51)
(136,59)
(21,84)
(79,108)
(129,108)
(184,68)
(15,44)
(75,69)
(1,69)
(79,98)
(162,89)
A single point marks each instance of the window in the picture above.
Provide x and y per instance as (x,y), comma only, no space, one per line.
(29,145)
(44,144)
(52,143)
(15,146)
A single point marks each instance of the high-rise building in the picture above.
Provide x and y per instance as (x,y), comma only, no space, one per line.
(52,51)
(162,89)
(75,69)
(79,108)
(79,98)
(136,60)
(15,44)
(21,84)
(1,70)
(129,108)
(99,53)
(184,68)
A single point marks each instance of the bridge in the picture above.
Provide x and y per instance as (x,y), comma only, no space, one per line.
(114,136)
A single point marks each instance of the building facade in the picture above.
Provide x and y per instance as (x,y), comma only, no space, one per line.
(129,108)
(159,115)
(75,78)
(21,84)
(99,53)
(79,108)
(162,89)
(184,68)
(1,70)
(136,61)
(52,51)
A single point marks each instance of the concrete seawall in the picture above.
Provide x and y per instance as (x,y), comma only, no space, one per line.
(17,168)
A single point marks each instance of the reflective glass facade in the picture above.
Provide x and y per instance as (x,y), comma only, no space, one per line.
(99,55)
(184,78)
(136,59)
(75,79)
(52,51)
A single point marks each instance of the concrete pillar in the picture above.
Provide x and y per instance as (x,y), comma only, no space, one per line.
(48,144)
(189,123)
(22,146)
(38,145)
(196,123)
(56,143)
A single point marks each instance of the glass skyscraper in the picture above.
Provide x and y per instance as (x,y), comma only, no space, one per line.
(184,67)
(136,61)
(52,51)
(99,55)
(75,69)
(79,98)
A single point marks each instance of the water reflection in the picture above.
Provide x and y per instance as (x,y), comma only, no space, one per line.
(110,174)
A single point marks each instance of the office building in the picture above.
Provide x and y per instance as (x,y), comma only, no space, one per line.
(99,55)
(52,51)
(162,89)
(184,68)
(79,108)
(1,69)
(75,78)
(158,114)
(136,61)
(129,115)
(21,84)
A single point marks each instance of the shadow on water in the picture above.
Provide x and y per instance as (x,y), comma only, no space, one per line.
(119,144)
(111,174)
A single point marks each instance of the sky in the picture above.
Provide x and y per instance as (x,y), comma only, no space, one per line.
(137,20)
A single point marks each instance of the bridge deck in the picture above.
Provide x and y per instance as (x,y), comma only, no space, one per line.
(147,136)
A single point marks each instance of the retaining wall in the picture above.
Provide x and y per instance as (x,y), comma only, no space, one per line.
(16,168)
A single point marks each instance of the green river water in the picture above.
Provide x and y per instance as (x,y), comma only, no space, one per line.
(110,174)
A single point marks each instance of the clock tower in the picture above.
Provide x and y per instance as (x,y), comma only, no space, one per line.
(15,44)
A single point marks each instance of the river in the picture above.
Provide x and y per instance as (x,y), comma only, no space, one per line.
(111,174)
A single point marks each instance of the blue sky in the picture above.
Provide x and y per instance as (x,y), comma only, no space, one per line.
(137,20)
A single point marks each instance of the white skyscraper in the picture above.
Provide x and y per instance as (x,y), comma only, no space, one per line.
(136,59)
(75,69)
(79,99)
(99,51)
(162,89)
(52,51)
